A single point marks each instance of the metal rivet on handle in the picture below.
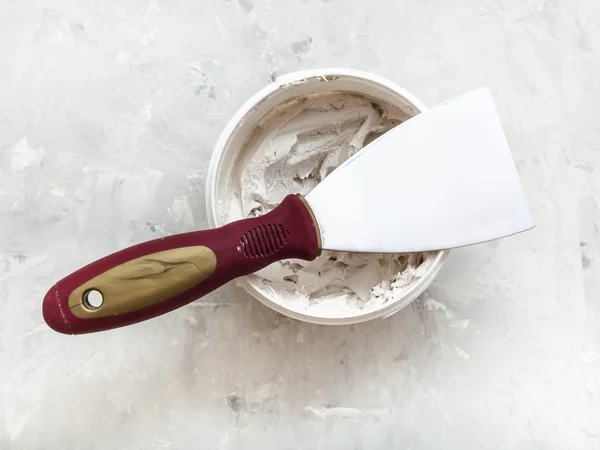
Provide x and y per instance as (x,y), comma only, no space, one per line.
(93,299)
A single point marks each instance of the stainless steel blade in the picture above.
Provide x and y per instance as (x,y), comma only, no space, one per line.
(443,179)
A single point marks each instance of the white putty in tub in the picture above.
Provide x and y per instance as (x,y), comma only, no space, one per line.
(294,147)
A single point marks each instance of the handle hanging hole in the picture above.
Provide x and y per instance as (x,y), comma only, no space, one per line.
(93,299)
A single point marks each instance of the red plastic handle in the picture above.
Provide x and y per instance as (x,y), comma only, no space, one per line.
(155,277)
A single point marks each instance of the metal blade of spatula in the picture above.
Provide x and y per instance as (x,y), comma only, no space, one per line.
(443,179)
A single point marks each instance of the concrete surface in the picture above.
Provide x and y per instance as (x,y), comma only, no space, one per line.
(108,113)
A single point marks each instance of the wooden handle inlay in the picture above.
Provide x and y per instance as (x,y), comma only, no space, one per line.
(145,281)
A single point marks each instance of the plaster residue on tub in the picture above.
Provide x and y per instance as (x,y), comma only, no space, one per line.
(274,112)
(327,78)
(294,83)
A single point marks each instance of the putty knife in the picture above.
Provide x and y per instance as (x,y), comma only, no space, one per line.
(442,179)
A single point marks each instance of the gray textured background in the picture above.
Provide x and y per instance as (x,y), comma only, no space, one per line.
(108,114)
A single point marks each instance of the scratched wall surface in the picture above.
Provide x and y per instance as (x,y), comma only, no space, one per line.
(108,114)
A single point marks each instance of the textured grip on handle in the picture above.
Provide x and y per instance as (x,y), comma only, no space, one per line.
(155,277)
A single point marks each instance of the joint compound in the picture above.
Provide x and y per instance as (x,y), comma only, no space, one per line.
(292,149)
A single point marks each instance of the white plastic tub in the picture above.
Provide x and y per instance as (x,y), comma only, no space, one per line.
(239,129)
